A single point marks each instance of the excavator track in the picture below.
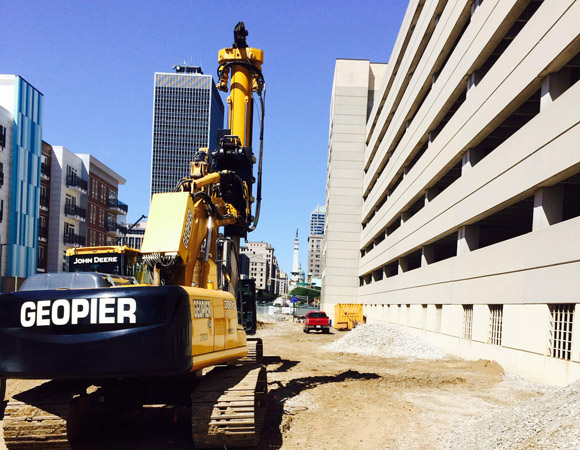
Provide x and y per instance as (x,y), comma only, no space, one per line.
(229,407)
(255,351)
(30,423)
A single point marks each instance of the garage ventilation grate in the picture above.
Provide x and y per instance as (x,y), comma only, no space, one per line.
(560,344)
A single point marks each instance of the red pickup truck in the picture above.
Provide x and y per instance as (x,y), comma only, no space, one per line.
(317,320)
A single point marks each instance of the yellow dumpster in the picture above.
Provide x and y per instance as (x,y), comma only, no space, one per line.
(348,315)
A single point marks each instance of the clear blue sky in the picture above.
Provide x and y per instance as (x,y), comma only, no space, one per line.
(94,62)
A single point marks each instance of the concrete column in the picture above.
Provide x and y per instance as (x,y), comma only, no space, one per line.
(427,255)
(403,264)
(474,5)
(432,135)
(434,78)
(548,206)
(431,193)
(470,158)
(389,272)
(554,85)
(473,81)
(467,239)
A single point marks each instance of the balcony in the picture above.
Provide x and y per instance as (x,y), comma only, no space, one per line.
(77,183)
(75,212)
(44,172)
(42,234)
(115,229)
(44,202)
(73,240)
(117,207)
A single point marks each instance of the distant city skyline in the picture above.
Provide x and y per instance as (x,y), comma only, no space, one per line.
(97,83)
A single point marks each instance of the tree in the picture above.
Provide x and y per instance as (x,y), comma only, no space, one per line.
(306,292)
(265,296)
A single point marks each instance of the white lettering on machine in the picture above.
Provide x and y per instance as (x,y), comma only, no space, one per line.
(96,259)
(63,312)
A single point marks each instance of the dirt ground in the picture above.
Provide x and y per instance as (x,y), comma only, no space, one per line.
(326,400)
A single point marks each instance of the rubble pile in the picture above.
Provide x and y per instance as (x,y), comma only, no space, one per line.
(548,421)
(384,340)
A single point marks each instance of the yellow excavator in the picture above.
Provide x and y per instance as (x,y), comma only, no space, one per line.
(126,328)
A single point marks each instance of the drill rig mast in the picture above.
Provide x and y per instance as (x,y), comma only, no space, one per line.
(218,192)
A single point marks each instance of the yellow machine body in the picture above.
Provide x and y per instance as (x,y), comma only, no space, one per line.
(217,337)
(99,249)
(176,226)
(119,260)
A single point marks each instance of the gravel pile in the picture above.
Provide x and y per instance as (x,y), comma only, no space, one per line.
(546,422)
(384,340)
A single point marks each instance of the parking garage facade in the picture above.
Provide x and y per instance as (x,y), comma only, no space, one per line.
(469,175)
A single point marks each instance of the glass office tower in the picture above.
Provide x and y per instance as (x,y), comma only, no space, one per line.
(187,112)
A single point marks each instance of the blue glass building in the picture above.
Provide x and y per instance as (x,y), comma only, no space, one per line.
(25,174)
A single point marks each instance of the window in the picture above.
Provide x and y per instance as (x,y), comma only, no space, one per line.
(2,137)
(467,321)
(561,331)
(69,229)
(71,172)
(1,210)
(495,324)
(1,174)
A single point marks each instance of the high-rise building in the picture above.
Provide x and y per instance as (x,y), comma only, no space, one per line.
(317,221)
(21,134)
(315,242)
(462,160)
(261,263)
(187,112)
